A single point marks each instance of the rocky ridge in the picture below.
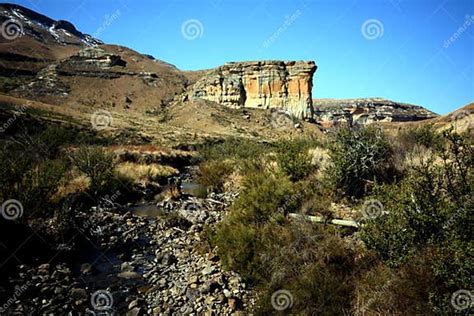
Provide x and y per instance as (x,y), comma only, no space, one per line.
(331,112)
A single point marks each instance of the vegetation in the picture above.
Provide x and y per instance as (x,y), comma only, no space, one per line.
(412,257)
(359,158)
(409,259)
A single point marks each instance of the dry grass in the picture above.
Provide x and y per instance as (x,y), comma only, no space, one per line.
(319,157)
(78,183)
(144,174)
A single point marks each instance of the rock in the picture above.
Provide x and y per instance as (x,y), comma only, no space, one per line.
(134,312)
(126,267)
(168,259)
(193,279)
(227,293)
(133,304)
(79,294)
(233,303)
(129,275)
(332,112)
(261,84)
(208,270)
(44,267)
(86,268)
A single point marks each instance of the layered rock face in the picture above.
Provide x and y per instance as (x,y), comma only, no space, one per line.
(331,112)
(261,84)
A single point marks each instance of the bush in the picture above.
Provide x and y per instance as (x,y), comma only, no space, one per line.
(294,159)
(314,266)
(240,236)
(430,219)
(359,157)
(233,148)
(99,166)
(213,174)
(28,180)
(424,135)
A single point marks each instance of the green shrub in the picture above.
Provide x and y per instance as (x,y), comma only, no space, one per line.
(424,135)
(294,159)
(31,182)
(213,174)
(315,267)
(430,219)
(99,166)
(240,236)
(359,157)
(233,148)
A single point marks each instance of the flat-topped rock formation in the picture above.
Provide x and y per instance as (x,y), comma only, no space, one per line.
(330,112)
(284,85)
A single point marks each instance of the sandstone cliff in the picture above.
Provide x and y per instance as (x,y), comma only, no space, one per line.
(261,84)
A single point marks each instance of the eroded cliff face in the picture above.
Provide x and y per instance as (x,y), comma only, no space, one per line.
(261,84)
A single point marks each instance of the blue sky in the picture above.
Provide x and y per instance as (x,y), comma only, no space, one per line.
(417,51)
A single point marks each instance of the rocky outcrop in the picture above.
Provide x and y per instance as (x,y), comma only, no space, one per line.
(261,84)
(331,112)
(91,61)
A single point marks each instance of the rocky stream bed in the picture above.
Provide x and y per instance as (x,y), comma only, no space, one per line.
(135,265)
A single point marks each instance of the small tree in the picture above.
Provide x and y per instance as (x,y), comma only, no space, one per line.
(359,157)
(98,165)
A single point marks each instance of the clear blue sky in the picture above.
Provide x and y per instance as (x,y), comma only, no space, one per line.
(413,60)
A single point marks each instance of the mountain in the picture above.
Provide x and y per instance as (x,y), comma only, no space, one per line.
(51,62)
